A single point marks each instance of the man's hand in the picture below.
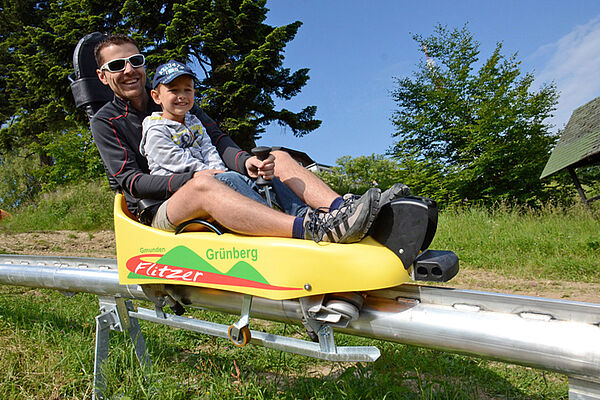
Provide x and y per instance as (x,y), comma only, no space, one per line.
(210,172)
(257,168)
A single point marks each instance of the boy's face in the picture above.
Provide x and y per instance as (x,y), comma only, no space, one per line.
(176,97)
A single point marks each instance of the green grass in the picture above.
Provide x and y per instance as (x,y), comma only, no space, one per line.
(552,243)
(83,207)
(47,347)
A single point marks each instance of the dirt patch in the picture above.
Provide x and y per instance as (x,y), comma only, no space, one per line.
(492,282)
(60,243)
(102,244)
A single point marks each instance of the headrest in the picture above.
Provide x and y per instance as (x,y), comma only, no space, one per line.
(89,93)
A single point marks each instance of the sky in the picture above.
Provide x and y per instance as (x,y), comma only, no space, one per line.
(355,50)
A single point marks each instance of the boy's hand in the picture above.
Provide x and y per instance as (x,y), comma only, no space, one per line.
(257,168)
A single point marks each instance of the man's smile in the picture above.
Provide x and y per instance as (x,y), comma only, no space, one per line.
(130,81)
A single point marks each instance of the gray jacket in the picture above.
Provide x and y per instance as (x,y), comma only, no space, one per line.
(171,147)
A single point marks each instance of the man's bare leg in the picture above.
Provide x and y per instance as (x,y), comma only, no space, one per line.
(207,198)
(306,185)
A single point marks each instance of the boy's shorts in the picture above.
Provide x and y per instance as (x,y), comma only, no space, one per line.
(160,220)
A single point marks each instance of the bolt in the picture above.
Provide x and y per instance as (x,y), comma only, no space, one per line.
(307,287)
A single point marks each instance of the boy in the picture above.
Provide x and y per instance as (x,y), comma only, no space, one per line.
(175,141)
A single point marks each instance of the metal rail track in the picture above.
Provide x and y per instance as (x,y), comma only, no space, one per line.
(554,335)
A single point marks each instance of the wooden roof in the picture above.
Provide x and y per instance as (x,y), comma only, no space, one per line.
(579,144)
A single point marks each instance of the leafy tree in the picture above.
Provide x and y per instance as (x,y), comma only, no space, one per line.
(75,158)
(358,174)
(239,56)
(241,59)
(479,125)
(18,181)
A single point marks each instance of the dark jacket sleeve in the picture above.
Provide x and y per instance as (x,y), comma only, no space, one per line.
(231,154)
(124,163)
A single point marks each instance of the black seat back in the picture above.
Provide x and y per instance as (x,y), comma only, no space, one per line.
(89,93)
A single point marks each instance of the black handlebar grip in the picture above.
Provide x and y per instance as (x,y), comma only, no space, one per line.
(262,152)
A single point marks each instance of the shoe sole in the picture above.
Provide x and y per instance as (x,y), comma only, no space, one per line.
(397,191)
(373,211)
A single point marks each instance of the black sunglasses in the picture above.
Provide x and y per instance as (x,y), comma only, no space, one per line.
(118,64)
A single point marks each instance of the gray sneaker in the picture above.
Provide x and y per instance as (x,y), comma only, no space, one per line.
(348,224)
(397,191)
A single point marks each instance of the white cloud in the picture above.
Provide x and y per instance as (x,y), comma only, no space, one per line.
(574,65)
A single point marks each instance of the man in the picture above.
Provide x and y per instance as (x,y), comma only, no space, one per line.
(117,129)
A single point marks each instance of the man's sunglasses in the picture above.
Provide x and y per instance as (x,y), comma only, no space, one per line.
(118,64)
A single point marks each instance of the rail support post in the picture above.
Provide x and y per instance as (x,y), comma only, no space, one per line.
(114,315)
(584,388)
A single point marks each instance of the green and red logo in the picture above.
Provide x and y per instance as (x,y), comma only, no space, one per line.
(184,265)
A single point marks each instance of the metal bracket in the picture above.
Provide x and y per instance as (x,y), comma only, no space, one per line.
(114,315)
(321,315)
(326,339)
(244,321)
(338,311)
(245,314)
(158,295)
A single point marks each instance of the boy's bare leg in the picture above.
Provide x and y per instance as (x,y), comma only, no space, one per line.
(207,198)
(306,185)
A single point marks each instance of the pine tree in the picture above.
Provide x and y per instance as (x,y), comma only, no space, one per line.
(241,59)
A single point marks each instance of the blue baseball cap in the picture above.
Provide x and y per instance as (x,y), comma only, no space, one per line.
(165,73)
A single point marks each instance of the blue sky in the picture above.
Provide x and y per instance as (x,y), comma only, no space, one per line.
(354,49)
